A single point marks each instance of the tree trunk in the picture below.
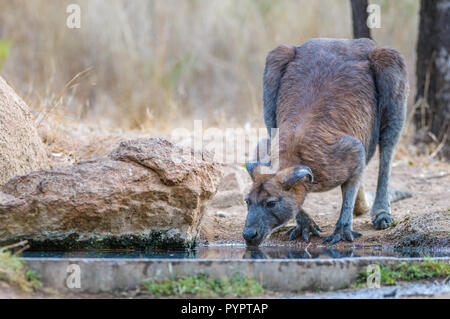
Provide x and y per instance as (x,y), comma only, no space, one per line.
(359,13)
(432,114)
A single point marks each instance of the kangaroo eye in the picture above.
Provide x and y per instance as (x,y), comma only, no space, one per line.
(271,203)
(247,201)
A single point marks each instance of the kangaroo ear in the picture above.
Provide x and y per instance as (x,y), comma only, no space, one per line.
(250,167)
(293,175)
(253,168)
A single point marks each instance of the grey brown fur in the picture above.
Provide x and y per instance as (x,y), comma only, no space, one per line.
(333,101)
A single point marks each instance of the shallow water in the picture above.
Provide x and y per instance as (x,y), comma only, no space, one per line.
(241,252)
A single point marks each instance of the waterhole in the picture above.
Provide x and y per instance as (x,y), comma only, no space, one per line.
(237,251)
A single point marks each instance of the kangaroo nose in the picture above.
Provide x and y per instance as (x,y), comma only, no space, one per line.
(249,234)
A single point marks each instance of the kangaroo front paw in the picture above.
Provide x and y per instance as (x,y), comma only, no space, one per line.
(305,227)
(382,220)
(342,233)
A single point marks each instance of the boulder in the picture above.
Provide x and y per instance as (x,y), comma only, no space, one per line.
(146,193)
(21,149)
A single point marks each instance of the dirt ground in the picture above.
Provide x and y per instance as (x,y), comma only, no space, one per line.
(9,293)
(427,210)
(429,182)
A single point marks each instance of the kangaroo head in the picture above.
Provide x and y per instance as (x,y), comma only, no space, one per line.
(273,200)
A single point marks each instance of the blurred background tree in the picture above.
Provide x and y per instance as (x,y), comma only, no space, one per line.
(156,65)
(432,115)
(360,15)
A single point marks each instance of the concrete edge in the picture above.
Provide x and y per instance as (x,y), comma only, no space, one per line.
(94,275)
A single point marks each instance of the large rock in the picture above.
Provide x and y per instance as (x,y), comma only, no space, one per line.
(21,150)
(232,188)
(145,193)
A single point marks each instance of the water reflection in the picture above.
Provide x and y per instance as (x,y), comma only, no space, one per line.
(134,254)
(289,253)
(241,252)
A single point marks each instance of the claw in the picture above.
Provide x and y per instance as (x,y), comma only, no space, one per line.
(349,236)
(383,221)
(335,239)
(294,232)
(316,233)
(305,235)
(304,228)
(289,232)
(340,234)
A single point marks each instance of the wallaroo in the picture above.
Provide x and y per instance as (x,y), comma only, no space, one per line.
(333,101)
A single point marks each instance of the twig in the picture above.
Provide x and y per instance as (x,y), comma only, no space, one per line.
(439,148)
(422,102)
(413,112)
(21,250)
(431,177)
(22,243)
(433,137)
(306,250)
(72,83)
(438,176)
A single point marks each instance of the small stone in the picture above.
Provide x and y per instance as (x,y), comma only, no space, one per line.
(221,214)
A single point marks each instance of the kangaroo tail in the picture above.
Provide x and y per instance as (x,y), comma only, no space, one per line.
(394,196)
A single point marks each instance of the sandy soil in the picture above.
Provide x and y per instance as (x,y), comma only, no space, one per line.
(8,293)
(225,217)
(429,182)
(11,293)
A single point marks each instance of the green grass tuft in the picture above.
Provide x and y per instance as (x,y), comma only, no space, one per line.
(204,286)
(409,271)
(14,273)
(5,47)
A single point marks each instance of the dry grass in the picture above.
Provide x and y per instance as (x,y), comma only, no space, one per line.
(160,64)
(13,272)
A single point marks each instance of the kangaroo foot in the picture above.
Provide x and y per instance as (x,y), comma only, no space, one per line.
(342,232)
(305,227)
